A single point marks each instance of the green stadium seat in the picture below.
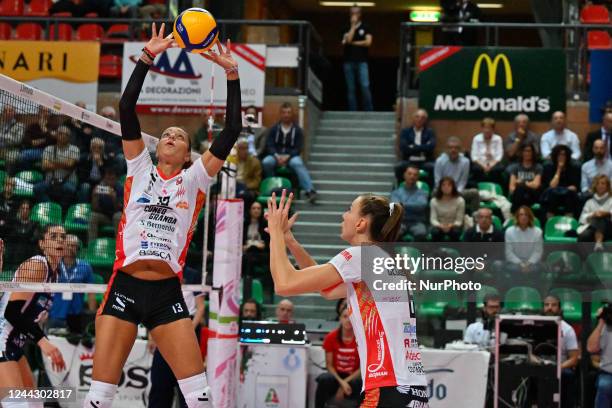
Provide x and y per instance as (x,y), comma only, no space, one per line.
(600,264)
(567,264)
(431,303)
(423,174)
(268,185)
(30,176)
(523,298)
(597,297)
(492,188)
(571,303)
(47,213)
(257,291)
(497,223)
(411,252)
(2,178)
(556,227)
(101,253)
(77,217)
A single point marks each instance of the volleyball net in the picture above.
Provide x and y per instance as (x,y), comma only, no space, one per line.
(62,165)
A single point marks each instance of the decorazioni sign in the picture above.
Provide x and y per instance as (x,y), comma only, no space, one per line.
(469,83)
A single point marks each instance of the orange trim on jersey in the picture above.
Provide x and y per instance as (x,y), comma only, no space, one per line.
(371,398)
(164,177)
(106,293)
(194,220)
(119,250)
(380,371)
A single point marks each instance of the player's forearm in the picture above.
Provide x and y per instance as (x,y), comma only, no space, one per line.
(130,126)
(302,257)
(222,145)
(280,267)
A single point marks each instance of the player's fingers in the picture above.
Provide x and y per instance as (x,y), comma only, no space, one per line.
(228,47)
(293,219)
(288,203)
(153,30)
(281,204)
(161,30)
(219,47)
(208,57)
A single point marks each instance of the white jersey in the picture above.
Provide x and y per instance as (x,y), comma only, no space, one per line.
(385,331)
(159,212)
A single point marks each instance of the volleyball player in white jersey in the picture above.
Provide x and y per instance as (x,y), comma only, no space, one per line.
(161,206)
(390,359)
(22,312)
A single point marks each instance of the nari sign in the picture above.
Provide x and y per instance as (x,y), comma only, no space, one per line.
(470,83)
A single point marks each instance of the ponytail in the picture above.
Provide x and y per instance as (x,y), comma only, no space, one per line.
(385,217)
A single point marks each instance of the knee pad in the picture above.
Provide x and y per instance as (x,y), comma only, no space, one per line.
(196,391)
(100,395)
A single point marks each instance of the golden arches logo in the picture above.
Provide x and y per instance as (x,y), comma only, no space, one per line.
(492,69)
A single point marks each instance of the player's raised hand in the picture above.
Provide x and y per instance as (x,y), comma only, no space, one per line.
(222,57)
(278,215)
(158,43)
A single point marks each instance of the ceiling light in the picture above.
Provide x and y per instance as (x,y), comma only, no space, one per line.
(424,16)
(490,5)
(347,3)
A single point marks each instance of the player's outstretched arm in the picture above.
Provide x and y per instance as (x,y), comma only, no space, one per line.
(221,147)
(287,280)
(133,144)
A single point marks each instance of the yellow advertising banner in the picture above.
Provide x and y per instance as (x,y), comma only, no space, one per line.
(63,60)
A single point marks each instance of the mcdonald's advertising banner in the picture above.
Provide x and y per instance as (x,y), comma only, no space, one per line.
(469,83)
(180,83)
(65,69)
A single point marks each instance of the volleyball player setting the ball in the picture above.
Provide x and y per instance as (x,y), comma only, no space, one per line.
(22,312)
(161,207)
(391,367)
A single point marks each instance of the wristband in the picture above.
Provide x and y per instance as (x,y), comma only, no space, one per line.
(231,70)
(149,53)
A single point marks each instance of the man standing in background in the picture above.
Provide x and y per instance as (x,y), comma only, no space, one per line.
(356,40)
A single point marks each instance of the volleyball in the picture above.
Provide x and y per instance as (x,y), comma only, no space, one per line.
(195,30)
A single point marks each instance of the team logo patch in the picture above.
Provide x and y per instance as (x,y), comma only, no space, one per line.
(183,204)
(347,255)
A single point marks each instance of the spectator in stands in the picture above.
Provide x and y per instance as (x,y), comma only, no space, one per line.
(356,39)
(559,135)
(520,137)
(37,137)
(560,179)
(452,164)
(106,203)
(569,353)
(415,203)
(250,309)
(153,10)
(604,134)
(447,211)
(284,311)
(248,174)
(256,242)
(343,377)
(484,230)
(524,244)
(487,153)
(81,132)
(112,142)
(598,165)
(283,148)
(68,308)
(481,331)
(525,178)
(8,206)
(11,136)
(600,341)
(595,225)
(254,132)
(90,168)
(59,162)
(125,8)
(67,6)
(460,11)
(416,145)
(20,243)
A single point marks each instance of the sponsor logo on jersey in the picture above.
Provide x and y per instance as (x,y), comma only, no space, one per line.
(409,329)
(144,244)
(413,355)
(157,226)
(86,356)
(144,199)
(119,304)
(380,356)
(159,254)
(417,404)
(180,192)
(157,237)
(346,254)
(179,180)
(183,204)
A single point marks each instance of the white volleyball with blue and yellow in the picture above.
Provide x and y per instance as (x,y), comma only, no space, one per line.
(195,30)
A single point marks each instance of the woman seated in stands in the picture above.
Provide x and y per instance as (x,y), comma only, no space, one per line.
(256,242)
(525,179)
(447,211)
(342,381)
(595,225)
(560,179)
(524,244)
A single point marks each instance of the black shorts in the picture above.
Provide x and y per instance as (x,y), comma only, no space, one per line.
(144,301)
(12,353)
(392,397)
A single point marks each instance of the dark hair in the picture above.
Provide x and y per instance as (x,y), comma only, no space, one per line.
(257,307)
(454,192)
(42,231)
(557,298)
(556,151)
(341,310)
(340,304)
(491,297)
(385,224)
(530,215)
(250,107)
(286,105)
(411,166)
(533,150)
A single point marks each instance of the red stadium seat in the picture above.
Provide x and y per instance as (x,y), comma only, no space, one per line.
(62,14)
(599,40)
(93,14)
(89,32)
(11,7)
(156,2)
(29,31)
(594,14)
(38,8)
(110,66)
(60,32)
(5,31)
(117,32)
